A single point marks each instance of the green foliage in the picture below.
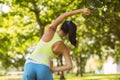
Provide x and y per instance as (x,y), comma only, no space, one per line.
(21,27)
(105,23)
(17,31)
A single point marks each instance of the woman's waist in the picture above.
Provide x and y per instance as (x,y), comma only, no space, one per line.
(38,61)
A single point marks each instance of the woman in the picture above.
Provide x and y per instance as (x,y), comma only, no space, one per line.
(39,65)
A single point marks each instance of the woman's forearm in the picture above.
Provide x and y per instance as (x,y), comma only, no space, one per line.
(73,12)
(61,68)
(67,14)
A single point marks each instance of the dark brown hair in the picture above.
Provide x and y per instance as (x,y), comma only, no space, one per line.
(70,28)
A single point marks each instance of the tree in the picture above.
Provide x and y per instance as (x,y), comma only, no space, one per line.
(15,38)
(24,24)
(100,32)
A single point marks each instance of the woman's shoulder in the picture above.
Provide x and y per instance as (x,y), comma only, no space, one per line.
(59,43)
(59,47)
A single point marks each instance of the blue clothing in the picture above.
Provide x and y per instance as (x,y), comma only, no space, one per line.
(35,71)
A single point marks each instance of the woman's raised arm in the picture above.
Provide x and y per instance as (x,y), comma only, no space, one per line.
(47,36)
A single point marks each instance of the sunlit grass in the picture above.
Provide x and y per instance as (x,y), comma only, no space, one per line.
(92,77)
(73,77)
(10,77)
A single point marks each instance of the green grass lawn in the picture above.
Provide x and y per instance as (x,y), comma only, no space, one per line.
(92,77)
(10,77)
(73,77)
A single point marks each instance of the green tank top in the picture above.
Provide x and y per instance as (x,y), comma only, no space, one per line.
(43,51)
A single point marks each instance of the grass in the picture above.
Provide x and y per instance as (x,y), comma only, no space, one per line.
(73,77)
(92,77)
(10,77)
(102,76)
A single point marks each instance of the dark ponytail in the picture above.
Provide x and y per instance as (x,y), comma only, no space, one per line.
(70,28)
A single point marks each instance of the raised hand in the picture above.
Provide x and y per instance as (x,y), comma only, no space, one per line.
(86,11)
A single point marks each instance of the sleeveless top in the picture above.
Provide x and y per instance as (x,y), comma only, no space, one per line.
(43,52)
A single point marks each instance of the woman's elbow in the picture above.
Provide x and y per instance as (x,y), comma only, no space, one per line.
(69,67)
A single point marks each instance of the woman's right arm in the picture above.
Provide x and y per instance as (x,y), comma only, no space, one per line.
(63,50)
(47,36)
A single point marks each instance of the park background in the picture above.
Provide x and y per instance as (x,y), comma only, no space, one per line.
(97,56)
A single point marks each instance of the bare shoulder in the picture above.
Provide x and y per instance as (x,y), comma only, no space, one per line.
(59,48)
(48,35)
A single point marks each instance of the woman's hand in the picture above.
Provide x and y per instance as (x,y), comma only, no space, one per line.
(52,69)
(86,11)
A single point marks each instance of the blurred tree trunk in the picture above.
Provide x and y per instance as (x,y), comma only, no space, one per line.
(62,77)
(39,23)
(36,12)
(79,66)
(58,64)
